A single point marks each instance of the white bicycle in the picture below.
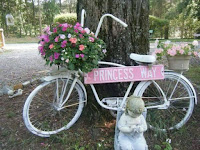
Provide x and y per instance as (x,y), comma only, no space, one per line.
(56,104)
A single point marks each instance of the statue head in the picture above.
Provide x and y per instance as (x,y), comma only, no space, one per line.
(134,107)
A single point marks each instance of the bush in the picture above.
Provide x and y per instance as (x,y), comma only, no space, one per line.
(158,25)
(70,18)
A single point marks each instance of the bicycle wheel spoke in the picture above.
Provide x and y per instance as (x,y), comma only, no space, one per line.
(42,108)
(181,102)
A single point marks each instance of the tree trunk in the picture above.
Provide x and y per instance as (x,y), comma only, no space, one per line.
(166,32)
(121,42)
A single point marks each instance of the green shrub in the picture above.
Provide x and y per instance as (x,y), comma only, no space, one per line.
(158,25)
(70,18)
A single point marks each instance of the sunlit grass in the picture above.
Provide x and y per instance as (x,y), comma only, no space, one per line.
(27,39)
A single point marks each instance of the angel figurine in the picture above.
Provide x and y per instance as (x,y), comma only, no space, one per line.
(131,125)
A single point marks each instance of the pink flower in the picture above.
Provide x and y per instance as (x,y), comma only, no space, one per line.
(181,51)
(51,58)
(83,31)
(76,31)
(80,28)
(77,26)
(41,50)
(45,38)
(42,43)
(195,54)
(73,40)
(54,30)
(77,55)
(46,29)
(91,39)
(56,39)
(81,47)
(67,60)
(82,55)
(158,51)
(65,25)
(64,28)
(81,36)
(63,43)
(56,55)
(51,46)
(171,52)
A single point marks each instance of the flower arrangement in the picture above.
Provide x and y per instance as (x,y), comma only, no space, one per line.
(72,46)
(182,49)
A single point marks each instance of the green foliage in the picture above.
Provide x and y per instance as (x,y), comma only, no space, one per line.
(163,146)
(158,25)
(70,18)
(72,46)
(50,9)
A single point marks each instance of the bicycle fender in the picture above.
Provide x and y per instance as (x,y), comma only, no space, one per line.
(49,78)
(188,82)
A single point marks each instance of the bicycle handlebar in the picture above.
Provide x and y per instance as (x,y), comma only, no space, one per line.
(83,14)
(113,17)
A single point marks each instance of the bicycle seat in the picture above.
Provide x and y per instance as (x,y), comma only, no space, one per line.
(149,59)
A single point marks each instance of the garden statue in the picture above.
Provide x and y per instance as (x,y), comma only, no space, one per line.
(132,124)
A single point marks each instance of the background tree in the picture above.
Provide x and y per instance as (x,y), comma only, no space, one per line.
(120,41)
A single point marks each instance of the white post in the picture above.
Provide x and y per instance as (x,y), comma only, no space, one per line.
(2,40)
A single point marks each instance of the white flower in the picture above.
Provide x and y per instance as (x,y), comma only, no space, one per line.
(167,42)
(87,30)
(168,140)
(62,58)
(104,51)
(69,35)
(63,50)
(195,43)
(62,36)
(99,46)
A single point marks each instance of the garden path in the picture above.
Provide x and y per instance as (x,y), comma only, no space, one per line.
(19,63)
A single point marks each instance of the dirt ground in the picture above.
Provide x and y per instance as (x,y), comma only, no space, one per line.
(94,130)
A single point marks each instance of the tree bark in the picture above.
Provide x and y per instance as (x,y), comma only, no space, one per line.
(121,42)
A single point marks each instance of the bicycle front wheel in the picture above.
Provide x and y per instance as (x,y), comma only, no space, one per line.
(43,114)
(180,102)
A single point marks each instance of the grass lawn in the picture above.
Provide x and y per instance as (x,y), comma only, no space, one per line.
(27,39)
(174,40)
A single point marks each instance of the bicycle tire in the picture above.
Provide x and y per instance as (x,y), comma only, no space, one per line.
(179,110)
(40,113)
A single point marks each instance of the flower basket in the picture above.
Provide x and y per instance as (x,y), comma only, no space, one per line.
(180,63)
(74,47)
(178,54)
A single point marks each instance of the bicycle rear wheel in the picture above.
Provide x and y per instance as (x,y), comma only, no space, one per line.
(43,114)
(181,102)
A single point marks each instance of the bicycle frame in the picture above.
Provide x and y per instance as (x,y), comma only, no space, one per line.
(75,80)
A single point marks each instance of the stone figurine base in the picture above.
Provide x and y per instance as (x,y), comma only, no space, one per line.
(117,133)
